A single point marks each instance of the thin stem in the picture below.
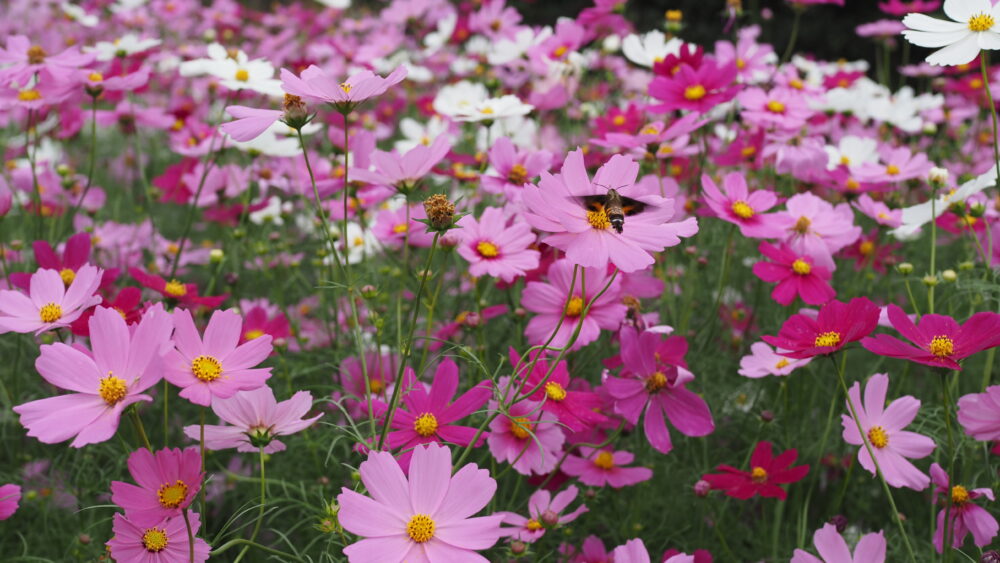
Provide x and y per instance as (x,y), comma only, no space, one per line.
(795,35)
(984,63)
(190,532)
(201,450)
(93,160)
(930,287)
(263,503)
(240,541)
(166,411)
(137,422)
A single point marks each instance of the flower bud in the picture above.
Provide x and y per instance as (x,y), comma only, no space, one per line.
(296,113)
(967,265)
(991,556)
(905,268)
(977,210)
(518,547)
(702,488)
(930,281)
(216,255)
(766,416)
(472,319)
(549,518)
(949,276)
(440,212)
(840,521)
(937,177)
(369,291)
(84,539)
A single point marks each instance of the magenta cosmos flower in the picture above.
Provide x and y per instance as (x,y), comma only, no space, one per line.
(544,512)
(122,365)
(526,438)
(495,249)
(315,85)
(512,168)
(429,415)
(427,517)
(556,205)
(598,468)
(883,426)
(964,516)
(50,303)
(735,204)
(577,410)
(836,325)
(766,473)
(782,108)
(940,341)
(816,228)
(649,384)
(74,256)
(168,481)
(215,367)
(553,301)
(164,542)
(979,414)
(10,496)
(256,419)
(796,275)
(697,90)
(833,549)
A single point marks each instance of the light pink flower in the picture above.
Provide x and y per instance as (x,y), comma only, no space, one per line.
(598,468)
(495,249)
(49,303)
(403,171)
(513,168)
(816,228)
(763,361)
(544,512)
(250,123)
(10,495)
(964,516)
(784,108)
(735,204)
(316,85)
(979,414)
(525,438)
(634,551)
(165,542)
(879,211)
(833,549)
(168,482)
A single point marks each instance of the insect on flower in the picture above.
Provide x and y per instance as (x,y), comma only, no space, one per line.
(612,204)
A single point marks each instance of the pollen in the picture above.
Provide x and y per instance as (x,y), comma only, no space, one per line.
(29,95)
(518,175)
(741,64)
(783,362)
(154,540)
(242,75)
(892,170)
(533,525)
(420,528)
(598,219)
(425,424)
(487,111)
(801,267)
(942,346)
(959,495)
(400,228)
(774,106)
(694,92)
(555,391)
(112,389)
(827,339)
(171,495)
(758,475)
(981,22)
(605,460)
(175,288)
(802,225)
(519,427)
(574,307)
(67,276)
(866,248)
(95,77)
(742,209)
(206,368)
(487,249)
(559,52)
(656,381)
(345,87)
(50,313)
(377,386)
(618,120)
(253,334)
(36,55)
(878,437)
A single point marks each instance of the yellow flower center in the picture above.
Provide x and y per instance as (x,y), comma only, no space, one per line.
(758,475)
(796,83)
(604,460)
(742,209)
(487,249)
(559,51)
(783,362)
(555,391)
(801,267)
(420,528)
(426,424)
(50,313)
(242,75)
(959,495)
(347,90)
(942,346)
(519,427)
(981,22)
(95,77)
(175,288)
(533,525)
(67,276)
(866,248)
(206,368)
(802,225)
(892,170)
(171,495)
(694,92)
(878,437)
(618,120)
(741,64)
(154,540)
(252,334)
(487,110)
(29,95)
(656,381)
(748,151)
(36,55)
(112,389)
(574,307)
(518,175)
(976,83)
(827,339)
(598,219)
(400,228)
(774,106)
(376,386)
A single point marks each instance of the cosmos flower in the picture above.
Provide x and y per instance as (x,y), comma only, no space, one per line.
(836,325)
(735,204)
(10,495)
(526,438)
(964,515)
(75,255)
(979,414)
(598,468)
(650,48)
(21,60)
(833,549)
(783,108)
(316,85)
(426,517)
(695,89)
(121,365)
(974,26)
(766,473)
(883,426)
(939,340)
(163,542)
(796,275)
(763,361)
(51,302)
(578,410)
(168,482)
(235,70)
(184,293)
(496,249)
(513,168)
(544,512)
(814,227)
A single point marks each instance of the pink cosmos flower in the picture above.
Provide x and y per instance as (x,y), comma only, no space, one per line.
(215,367)
(495,249)
(315,85)
(257,418)
(883,426)
(836,325)
(900,8)
(121,366)
(698,90)
(74,256)
(598,468)
(735,204)
(763,361)
(50,303)
(783,108)
(403,171)
(429,416)
(424,518)
(249,123)
(544,512)
(550,299)
(10,495)
(22,60)
(381,371)
(184,293)
(577,410)
(394,227)
(164,542)
(964,516)
(634,551)
(816,228)
(833,549)
(495,20)
(585,234)
(647,383)
(766,473)
(940,341)
(979,414)
(259,320)
(525,438)
(168,481)
(898,165)
(592,551)
(513,168)
(796,275)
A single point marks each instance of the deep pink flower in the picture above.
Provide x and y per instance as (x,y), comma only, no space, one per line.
(735,204)
(75,255)
(833,549)
(164,542)
(513,168)
(126,303)
(900,8)
(121,366)
(381,371)
(634,551)
(465,320)
(215,367)
(964,516)
(698,90)
(783,108)
(315,85)
(424,518)
(648,383)
(184,293)
(10,495)
(979,414)
(257,418)
(168,482)
(883,426)
(592,551)
(939,340)
(496,249)
(577,410)
(764,360)
(258,321)
(817,228)
(544,512)
(50,303)
(526,438)
(598,468)
(797,276)
(836,325)
(766,473)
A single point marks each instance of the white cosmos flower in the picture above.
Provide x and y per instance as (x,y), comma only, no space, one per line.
(975,26)
(852,151)
(917,216)
(417,133)
(79,15)
(459,98)
(128,44)
(235,71)
(492,109)
(123,6)
(336,4)
(272,213)
(650,48)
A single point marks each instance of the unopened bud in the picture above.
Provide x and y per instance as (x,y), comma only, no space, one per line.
(977,210)
(518,547)
(440,212)
(549,518)
(216,255)
(840,521)
(296,113)
(766,416)
(930,280)
(965,266)
(83,539)
(702,487)
(369,291)
(905,268)
(472,319)
(949,276)
(937,177)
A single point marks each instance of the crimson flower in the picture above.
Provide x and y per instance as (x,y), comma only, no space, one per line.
(578,410)
(837,324)
(796,275)
(184,293)
(939,340)
(766,473)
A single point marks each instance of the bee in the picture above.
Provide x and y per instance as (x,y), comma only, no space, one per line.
(614,205)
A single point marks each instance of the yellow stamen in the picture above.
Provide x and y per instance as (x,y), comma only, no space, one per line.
(604,460)
(802,225)
(376,385)
(981,22)
(519,427)
(742,209)
(574,307)
(29,95)
(242,75)
(758,475)
(67,276)
(112,389)
(518,175)
(175,288)
(959,495)
(783,362)
(827,339)
(878,437)
(694,92)
(598,219)
(774,106)
(555,391)
(487,249)
(892,170)
(942,346)
(400,228)
(252,334)
(206,368)
(95,77)
(171,495)
(36,55)
(50,313)
(533,525)
(656,381)
(618,120)
(801,267)
(420,528)
(866,248)
(345,87)
(425,424)
(154,540)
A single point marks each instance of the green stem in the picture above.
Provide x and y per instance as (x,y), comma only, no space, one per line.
(984,64)
(260,514)
(139,429)
(239,541)
(90,166)
(795,35)
(190,532)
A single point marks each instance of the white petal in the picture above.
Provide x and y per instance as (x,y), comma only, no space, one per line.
(989,40)
(921,22)
(962,10)
(935,38)
(956,54)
